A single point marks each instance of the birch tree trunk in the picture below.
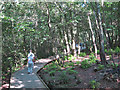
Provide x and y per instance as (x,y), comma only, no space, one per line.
(48,13)
(93,37)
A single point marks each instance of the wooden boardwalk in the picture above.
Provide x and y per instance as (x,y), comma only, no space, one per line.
(21,79)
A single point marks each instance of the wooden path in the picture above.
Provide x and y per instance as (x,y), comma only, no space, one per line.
(21,79)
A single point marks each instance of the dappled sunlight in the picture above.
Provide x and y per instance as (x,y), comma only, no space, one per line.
(107,57)
(37,80)
(81,58)
(18,83)
(43,60)
(20,86)
(13,80)
(21,79)
(36,67)
(50,38)
(22,73)
(29,81)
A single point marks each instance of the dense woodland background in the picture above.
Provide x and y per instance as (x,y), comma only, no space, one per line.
(55,28)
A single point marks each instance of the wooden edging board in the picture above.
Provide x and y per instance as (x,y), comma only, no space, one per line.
(42,81)
(41,69)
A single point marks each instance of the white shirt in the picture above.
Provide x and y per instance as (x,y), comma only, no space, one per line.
(30,59)
(30,54)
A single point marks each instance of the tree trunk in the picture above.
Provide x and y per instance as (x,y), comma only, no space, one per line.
(118,23)
(101,37)
(67,44)
(93,37)
(72,35)
(48,13)
(100,32)
(67,36)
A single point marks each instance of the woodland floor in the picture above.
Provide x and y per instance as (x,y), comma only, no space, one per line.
(82,78)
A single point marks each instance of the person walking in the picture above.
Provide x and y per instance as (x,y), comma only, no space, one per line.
(30,62)
(31,53)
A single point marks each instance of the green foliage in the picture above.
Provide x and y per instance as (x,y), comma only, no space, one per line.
(3,77)
(46,66)
(92,58)
(64,78)
(72,72)
(100,67)
(94,84)
(69,68)
(85,64)
(58,68)
(110,51)
(106,50)
(50,67)
(117,50)
(52,73)
(82,54)
(70,64)
(46,70)
(77,62)
(98,51)
(65,57)
(108,65)
(71,57)
(20,26)
(66,65)
(112,64)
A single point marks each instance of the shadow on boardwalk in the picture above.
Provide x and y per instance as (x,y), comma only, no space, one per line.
(21,79)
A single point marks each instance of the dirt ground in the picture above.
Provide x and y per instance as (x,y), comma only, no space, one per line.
(82,78)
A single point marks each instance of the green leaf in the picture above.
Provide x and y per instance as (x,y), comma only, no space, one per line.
(109,29)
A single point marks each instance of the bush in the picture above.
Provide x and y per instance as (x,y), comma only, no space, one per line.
(64,78)
(72,72)
(70,68)
(117,50)
(92,61)
(98,51)
(85,64)
(46,71)
(52,68)
(46,66)
(108,65)
(66,65)
(65,57)
(92,58)
(110,51)
(114,65)
(94,84)
(77,62)
(82,54)
(58,68)
(106,50)
(71,57)
(71,64)
(100,67)
(52,73)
